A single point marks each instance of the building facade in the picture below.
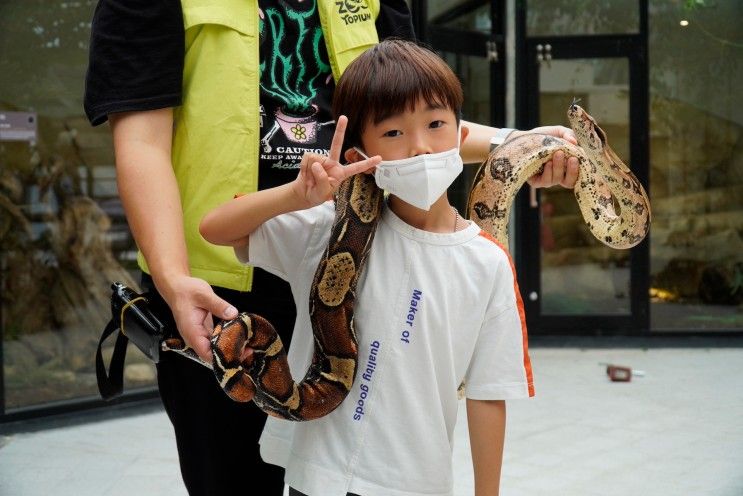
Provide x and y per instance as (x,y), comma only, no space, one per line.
(662,78)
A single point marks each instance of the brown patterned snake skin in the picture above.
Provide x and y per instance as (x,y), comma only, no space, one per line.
(264,375)
(603,177)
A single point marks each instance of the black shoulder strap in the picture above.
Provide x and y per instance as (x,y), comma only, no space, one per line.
(110,385)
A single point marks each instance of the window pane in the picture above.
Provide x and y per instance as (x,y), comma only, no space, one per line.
(467,15)
(63,237)
(474,73)
(582,17)
(696,177)
(599,276)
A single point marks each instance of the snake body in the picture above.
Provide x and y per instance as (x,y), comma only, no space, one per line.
(263,376)
(604,183)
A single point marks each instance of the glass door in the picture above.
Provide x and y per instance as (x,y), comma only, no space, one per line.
(571,282)
(468,35)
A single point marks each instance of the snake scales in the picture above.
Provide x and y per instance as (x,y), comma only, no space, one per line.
(264,376)
(604,183)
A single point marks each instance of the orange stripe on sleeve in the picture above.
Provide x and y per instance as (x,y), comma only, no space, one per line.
(522,314)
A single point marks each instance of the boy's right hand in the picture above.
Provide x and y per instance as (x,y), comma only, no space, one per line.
(320,176)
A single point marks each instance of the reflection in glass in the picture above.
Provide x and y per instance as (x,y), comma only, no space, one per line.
(580,275)
(474,72)
(467,15)
(582,17)
(696,169)
(63,236)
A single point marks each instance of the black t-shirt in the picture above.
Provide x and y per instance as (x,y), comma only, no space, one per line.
(136,63)
(136,57)
(137,49)
(296,89)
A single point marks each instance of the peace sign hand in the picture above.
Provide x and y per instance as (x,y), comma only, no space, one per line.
(320,176)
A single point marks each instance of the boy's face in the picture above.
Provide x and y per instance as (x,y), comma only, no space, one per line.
(425,129)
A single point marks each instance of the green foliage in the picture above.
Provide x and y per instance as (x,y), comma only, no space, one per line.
(695,4)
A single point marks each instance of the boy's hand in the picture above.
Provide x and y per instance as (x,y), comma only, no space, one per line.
(320,175)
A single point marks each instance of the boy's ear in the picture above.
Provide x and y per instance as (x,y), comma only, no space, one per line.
(351,155)
(465,132)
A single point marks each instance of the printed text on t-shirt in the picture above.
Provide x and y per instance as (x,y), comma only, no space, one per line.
(415,301)
(366,377)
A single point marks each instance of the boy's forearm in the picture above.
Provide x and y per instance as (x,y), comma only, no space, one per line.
(487,428)
(231,223)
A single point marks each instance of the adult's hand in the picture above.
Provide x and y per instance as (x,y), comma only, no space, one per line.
(560,169)
(194,303)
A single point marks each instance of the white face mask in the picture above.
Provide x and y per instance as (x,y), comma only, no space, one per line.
(419,180)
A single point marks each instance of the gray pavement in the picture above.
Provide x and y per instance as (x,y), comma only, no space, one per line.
(676,431)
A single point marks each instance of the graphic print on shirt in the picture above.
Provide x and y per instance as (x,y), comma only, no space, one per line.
(366,379)
(296,85)
(353,11)
(415,303)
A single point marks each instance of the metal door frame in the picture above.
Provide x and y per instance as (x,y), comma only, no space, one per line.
(471,43)
(633,47)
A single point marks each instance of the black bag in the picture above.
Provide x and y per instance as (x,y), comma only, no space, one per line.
(131,316)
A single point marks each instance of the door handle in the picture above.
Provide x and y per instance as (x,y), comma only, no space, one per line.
(544,53)
(491,50)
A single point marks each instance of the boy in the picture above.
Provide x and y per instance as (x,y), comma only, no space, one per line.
(437,302)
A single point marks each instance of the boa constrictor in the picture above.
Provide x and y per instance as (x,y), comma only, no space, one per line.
(604,183)
(264,375)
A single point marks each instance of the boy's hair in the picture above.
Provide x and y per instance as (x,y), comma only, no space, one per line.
(389,79)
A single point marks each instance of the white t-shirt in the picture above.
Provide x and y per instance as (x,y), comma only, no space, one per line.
(432,309)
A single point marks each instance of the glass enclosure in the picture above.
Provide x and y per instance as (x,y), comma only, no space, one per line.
(696,164)
(582,17)
(472,16)
(468,25)
(63,235)
(474,72)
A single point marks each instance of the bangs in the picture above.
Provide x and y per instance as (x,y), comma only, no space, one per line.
(400,84)
(391,78)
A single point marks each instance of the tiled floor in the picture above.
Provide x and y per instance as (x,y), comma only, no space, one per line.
(676,431)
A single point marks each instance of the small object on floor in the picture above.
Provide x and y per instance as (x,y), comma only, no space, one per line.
(618,373)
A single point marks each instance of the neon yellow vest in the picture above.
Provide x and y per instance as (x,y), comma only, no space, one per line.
(217,128)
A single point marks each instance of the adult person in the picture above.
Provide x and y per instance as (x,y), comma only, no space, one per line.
(207,99)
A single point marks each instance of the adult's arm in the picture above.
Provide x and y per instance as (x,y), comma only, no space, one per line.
(559,170)
(134,78)
(149,193)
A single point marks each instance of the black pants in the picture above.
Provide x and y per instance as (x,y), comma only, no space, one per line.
(294,492)
(217,438)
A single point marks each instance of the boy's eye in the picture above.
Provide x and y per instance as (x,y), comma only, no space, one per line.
(436,124)
(392,133)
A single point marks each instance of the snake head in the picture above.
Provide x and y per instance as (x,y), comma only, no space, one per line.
(585,128)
